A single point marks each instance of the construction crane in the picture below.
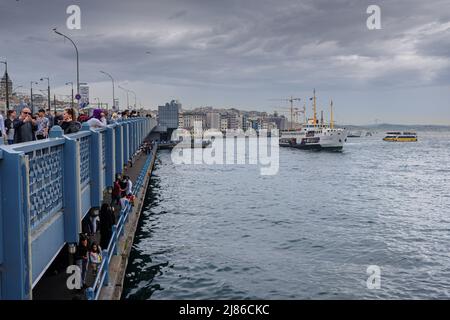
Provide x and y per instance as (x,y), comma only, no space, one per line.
(291,100)
(296,113)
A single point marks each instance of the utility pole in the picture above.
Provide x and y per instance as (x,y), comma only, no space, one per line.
(128,98)
(71,83)
(113,96)
(48,92)
(31,96)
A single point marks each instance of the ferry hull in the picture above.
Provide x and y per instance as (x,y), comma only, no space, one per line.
(317,147)
(314,146)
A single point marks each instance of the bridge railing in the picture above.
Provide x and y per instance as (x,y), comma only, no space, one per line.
(47,187)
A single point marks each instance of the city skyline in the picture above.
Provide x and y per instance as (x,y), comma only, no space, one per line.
(243,55)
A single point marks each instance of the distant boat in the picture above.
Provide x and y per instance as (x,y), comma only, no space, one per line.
(368,134)
(354,134)
(400,137)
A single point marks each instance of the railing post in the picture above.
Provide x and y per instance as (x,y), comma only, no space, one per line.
(105,256)
(119,149)
(126,142)
(133,137)
(131,129)
(72,187)
(114,239)
(90,294)
(16,270)
(96,169)
(110,156)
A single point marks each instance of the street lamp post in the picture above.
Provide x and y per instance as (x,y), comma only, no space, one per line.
(48,92)
(112,79)
(128,99)
(31,96)
(71,83)
(135,97)
(6,85)
(78,61)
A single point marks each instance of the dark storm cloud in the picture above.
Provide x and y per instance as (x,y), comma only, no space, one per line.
(234,43)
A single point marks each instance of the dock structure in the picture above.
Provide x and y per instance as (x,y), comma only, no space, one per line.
(48,186)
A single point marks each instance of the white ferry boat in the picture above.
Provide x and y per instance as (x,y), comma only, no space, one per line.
(314,135)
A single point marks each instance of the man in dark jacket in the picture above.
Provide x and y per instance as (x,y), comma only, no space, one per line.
(24,127)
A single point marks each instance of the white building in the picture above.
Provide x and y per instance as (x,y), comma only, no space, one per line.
(223,124)
(213,120)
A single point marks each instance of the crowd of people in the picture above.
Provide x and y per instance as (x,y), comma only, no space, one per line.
(97,227)
(27,126)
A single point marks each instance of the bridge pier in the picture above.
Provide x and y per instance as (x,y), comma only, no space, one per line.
(15,255)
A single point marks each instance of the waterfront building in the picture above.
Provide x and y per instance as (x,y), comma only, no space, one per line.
(213,120)
(234,120)
(191,118)
(223,124)
(268,125)
(280,122)
(180,120)
(168,115)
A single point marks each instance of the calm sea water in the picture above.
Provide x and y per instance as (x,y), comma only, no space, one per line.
(309,232)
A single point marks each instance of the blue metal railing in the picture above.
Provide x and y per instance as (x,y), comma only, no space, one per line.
(102,278)
(47,186)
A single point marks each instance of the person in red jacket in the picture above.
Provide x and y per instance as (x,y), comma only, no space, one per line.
(82,117)
(117,190)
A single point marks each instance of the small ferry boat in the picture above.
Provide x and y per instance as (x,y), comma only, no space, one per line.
(401,137)
(314,135)
(355,134)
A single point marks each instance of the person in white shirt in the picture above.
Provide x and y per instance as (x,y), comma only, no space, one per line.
(124,201)
(95,121)
(129,185)
(2,127)
(103,118)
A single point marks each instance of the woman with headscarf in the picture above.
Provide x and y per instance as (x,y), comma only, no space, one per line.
(107,220)
(95,121)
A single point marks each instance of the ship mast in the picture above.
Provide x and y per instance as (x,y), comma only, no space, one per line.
(332,118)
(315,112)
(292,112)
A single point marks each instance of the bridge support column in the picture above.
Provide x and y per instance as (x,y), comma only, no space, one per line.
(110,156)
(96,168)
(16,265)
(119,149)
(72,187)
(126,143)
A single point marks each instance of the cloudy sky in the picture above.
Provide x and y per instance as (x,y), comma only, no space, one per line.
(243,53)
